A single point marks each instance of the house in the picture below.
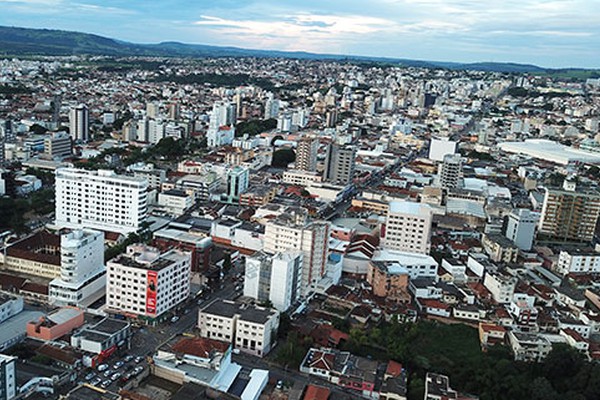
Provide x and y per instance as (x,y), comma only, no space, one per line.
(491,334)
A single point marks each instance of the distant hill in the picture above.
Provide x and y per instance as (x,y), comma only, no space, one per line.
(25,41)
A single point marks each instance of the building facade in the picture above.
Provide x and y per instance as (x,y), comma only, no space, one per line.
(408,227)
(306,154)
(340,164)
(79,123)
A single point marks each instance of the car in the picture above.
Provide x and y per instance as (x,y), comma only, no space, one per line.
(102,367)
(138,359)
(90,376)
(128,358)
(174,319)
(96,381)
(138,369)
(105,384)
(118,364)
(107,373)
(115,376)
(279,385)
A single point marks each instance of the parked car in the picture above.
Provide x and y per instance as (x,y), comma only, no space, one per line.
(115,376)
(102,367)
(128,358)
(118,364)
(138,359)
(90,376)
(96,381)
(174,319)
(105,384)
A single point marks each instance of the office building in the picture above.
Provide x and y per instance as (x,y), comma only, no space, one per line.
(339,164)
(450,171)
(8,377)
(292,231)
(570,214)
(146,283)
(521,227)
(58,145)
(82,279)
(249,328)
(100,200)
(408,227)
(276,278)
(306,154)
(237,183)
(79,123)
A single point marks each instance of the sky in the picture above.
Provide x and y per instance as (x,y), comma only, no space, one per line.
(554,33)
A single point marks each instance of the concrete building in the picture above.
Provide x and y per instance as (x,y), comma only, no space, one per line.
(8,377)
(58,145)
(101,338)
(9,306)
(501,286)
(237,183)
(79,123)
(82,279)
(56,324)
(276,278)
(156,177)
(529,347)
(573,261)
(438,148)
(437,387)
(100,200)
(499,248)
(293,231)
(220,136)
(175,202)
(306,154)
(450,171)
(408,227)
(249,328)
(570,214)
(389,281)
(521,227)
(147,284)
(340,164)
(37,255)
(302,178)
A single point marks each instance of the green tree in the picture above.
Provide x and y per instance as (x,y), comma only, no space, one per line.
(283,157)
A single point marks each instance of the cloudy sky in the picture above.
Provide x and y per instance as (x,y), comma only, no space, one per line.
(556,33)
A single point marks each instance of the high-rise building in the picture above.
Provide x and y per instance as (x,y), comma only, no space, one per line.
(145,283)
(79,122)
(276,278)
(237,183)
(521,227)
(223,114)
(271,108)
(100,200)
(408,227)
(292,231)
(450,171)
(570,214)
(306,154)
(82,278)
(58,145)
(174,111)
(331,118)
(339,164)
(7,131)
(8,377)
(438,148)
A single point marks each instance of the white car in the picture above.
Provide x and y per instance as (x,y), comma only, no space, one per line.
(174,319)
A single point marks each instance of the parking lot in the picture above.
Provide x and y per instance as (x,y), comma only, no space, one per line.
(115,374)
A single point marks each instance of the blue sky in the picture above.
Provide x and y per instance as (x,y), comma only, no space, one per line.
(556,33)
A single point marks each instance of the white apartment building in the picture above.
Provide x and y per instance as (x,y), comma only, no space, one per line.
(408,227)
(155,176)
(578,262)
(82,278)
(416,265)
(220,136)
(249,328)
(100,200)
(175,202)
(79,123)
(521,227)
(450,171)
(145,283)
(8,377)
(276,278)
(502,287)
(10,306)
(302,178)
(292,231)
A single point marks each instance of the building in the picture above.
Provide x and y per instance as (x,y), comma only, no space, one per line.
(82,279)
(521,227)
(100,200)
(292,231)
(388,280)
(501,286)
(56,324)
(156,177)
(276,278)
(438,148)
(249,328)
(8,377)
(437,387)
(302,178)
(146,283)
(571,261)
(9,306)
(499,248)
(258,196)
(417,265)
(184,237)
(340,164)
(237,183)
(58,145)
(221,136)
(529,346)
(306,154)
(79,123)
(37,255)
(570,214)
(408,227)
(175,202)
(101,338)
(450,171)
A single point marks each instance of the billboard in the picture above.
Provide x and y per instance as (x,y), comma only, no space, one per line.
(152,286)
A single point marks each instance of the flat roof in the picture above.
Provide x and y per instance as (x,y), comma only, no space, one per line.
(551,151)
(408,207)
(16,325)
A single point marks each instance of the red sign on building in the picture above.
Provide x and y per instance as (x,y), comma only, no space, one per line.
(151,292)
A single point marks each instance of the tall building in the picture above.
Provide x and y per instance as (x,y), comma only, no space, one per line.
(7,131)
(271,108)
(100,200)
(223,114)
(79,121)
(408,227)
(58,145)
(306,154)
(8,377)
(237,183)
(339,164)
(276,278)
(82,278)
(438,148)
(570,214)
(145,283)
(292,231)
(521,227)
(450,171)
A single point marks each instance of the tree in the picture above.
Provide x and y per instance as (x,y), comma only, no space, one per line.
(283,157)
(38,129)
(227,262)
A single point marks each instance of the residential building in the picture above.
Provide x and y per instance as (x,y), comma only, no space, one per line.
(306,154)
(408,227)
(175,202)
(79,123)
(184,237)
(37,255)
(340,164)
(100,200)
(276,278)
(237,183)
(293,231)
(249,328)
(58,145)
(146,283)
(499,248)
(573,261)
(389,281)
(301,178)
(156,177)
(258,196)
(9,306)
(220,136)
(450,171)
(521,227)
(501,286)
(8,377)
(437,387)
(570,214)
(529,346)
(82,279)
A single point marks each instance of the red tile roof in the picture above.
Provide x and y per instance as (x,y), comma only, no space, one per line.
(199,347)
(314,392)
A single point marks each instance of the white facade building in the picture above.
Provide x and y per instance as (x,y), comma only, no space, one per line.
(408,227)
(100,200)
(82,278)
(579,262)
(502,287)
(143,282)
(8,377)
(176,202)
(79,121)
(303,178)
(521,227)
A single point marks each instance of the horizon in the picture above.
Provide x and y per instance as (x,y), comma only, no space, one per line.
(562,34)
